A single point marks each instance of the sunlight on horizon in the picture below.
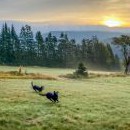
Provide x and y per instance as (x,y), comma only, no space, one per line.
(112,22)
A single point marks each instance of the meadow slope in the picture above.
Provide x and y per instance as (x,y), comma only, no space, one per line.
(101,103)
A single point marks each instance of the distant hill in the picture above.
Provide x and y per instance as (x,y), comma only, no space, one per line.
(80,35)
(46,27)
(104,36)
(77,32)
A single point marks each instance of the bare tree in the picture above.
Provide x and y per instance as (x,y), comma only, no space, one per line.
(124,43)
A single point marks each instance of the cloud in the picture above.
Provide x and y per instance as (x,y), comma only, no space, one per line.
(68,10)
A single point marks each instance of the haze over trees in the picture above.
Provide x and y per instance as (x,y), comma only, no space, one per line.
(29,49)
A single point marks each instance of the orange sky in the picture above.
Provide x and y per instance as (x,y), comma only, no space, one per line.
(83,12)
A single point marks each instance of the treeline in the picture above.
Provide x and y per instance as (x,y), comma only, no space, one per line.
(27,49)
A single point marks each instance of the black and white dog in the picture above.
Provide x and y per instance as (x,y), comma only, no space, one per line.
(37,88)
(53,96)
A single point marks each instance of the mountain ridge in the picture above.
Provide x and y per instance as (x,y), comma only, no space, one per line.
(46,27)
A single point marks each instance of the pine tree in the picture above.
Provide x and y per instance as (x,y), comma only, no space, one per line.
(51,47)
(65,50)
(16,46)
(27,45)
(84,52)
(6,45)
(53,52)
(82,70)
(41,54)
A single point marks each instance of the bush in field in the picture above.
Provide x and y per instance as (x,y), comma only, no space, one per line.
(82,70)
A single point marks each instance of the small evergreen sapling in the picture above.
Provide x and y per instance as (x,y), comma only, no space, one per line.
(82,70)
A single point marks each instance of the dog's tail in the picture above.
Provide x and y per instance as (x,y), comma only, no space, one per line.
(32,83)
(42,94)
(42,88)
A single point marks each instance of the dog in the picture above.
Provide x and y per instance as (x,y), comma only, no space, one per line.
(37,88)
(52,96)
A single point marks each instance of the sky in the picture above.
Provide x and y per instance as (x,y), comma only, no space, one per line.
(78,12)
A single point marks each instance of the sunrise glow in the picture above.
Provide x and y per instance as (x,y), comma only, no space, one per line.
(112,23)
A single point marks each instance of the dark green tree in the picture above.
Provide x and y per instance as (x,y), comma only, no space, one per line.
(84,51)
(82,70)
(28,45)
(67,51)
(41,52)
(51,49)
(6,46)
(16,46)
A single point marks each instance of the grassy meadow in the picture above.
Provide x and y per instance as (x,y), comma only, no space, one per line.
(100,103)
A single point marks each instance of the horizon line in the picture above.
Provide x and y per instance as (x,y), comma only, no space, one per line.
(60,24)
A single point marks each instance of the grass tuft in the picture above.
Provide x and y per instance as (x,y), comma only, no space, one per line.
(17,75)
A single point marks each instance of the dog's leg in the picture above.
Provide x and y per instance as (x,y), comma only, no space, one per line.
(36,91)
(51,99)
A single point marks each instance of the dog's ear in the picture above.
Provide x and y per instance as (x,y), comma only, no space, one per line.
(56,92)
(42,87)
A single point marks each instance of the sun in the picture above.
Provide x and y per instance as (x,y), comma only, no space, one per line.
(112,23)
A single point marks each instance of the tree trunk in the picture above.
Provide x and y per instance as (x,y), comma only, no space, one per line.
(127,61)
(126,69)
(127,66)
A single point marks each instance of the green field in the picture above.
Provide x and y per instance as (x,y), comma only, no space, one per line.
(101,103)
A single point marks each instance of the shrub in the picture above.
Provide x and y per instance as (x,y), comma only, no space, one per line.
(82,70)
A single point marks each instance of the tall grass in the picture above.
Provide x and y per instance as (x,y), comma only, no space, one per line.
(17,75)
